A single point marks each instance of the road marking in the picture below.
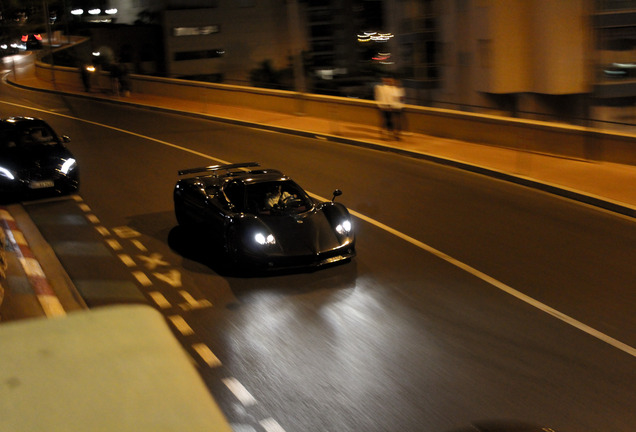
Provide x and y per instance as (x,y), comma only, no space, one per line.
(127,260)
(503,287)
(142,278)
(92,218)
(103,231)
(172,278)
(271,425)
(192,303)
(181,325)
(239,391)
(153,261)
(160,300)
(139,245)
(126,232)
(207,355)
(114,244)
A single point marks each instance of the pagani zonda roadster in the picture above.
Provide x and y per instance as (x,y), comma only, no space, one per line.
(34,162)
(262,218)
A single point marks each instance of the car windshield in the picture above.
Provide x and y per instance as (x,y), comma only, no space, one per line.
(27,137)
(276,197)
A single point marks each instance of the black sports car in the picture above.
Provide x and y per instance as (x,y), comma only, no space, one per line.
(262,218)
(34,161)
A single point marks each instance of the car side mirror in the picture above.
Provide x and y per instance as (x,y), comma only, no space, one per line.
(336,193)
(66,139)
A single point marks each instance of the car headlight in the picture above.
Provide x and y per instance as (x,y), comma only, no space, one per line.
(6,174)
(344,228)
(68,165)
(263,239)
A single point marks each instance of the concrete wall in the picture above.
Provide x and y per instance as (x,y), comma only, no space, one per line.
(551,138)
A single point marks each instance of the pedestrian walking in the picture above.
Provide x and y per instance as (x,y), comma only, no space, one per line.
(383,96)
(86,72)
(397,108)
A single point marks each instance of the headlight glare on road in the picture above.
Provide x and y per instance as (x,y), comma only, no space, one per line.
(6,174)
(263,239)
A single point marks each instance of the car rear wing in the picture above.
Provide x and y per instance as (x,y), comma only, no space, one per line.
(225,167)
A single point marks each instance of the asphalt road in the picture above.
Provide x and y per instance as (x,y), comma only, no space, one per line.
(427,329)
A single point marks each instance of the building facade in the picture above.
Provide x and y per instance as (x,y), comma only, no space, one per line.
(226,39)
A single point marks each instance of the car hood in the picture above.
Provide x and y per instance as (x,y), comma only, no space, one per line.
(306,233)
(41,157)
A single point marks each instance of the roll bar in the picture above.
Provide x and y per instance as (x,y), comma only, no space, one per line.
(226,167)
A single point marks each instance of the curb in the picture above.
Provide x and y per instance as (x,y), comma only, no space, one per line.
(572,194)
(3,265)
(44,293)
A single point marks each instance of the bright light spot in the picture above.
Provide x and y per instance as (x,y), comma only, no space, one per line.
(374,37)
(6,173)
(344,227)
(77,11)
(68,165)
(95,11)
(112,11)
(262,240)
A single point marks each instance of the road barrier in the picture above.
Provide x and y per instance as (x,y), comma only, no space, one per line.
(527,135)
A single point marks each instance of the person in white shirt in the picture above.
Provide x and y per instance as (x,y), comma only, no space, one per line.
(383,96)
(390,100)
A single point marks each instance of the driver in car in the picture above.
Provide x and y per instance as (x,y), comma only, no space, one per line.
(277,198)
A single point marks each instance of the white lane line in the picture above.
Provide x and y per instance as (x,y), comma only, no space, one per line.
(207,355)
(239,391)
(181,325)
(545,308)
(203,155)
(271,425)
(503,287)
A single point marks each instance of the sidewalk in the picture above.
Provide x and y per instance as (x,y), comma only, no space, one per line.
(607,185)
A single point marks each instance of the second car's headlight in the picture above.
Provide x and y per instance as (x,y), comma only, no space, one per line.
(68,165)
(6,174)
(264,239)
(344,228)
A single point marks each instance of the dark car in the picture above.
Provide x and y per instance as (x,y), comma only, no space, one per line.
(8,47)
(262,218)
(34,162)
(32,41)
